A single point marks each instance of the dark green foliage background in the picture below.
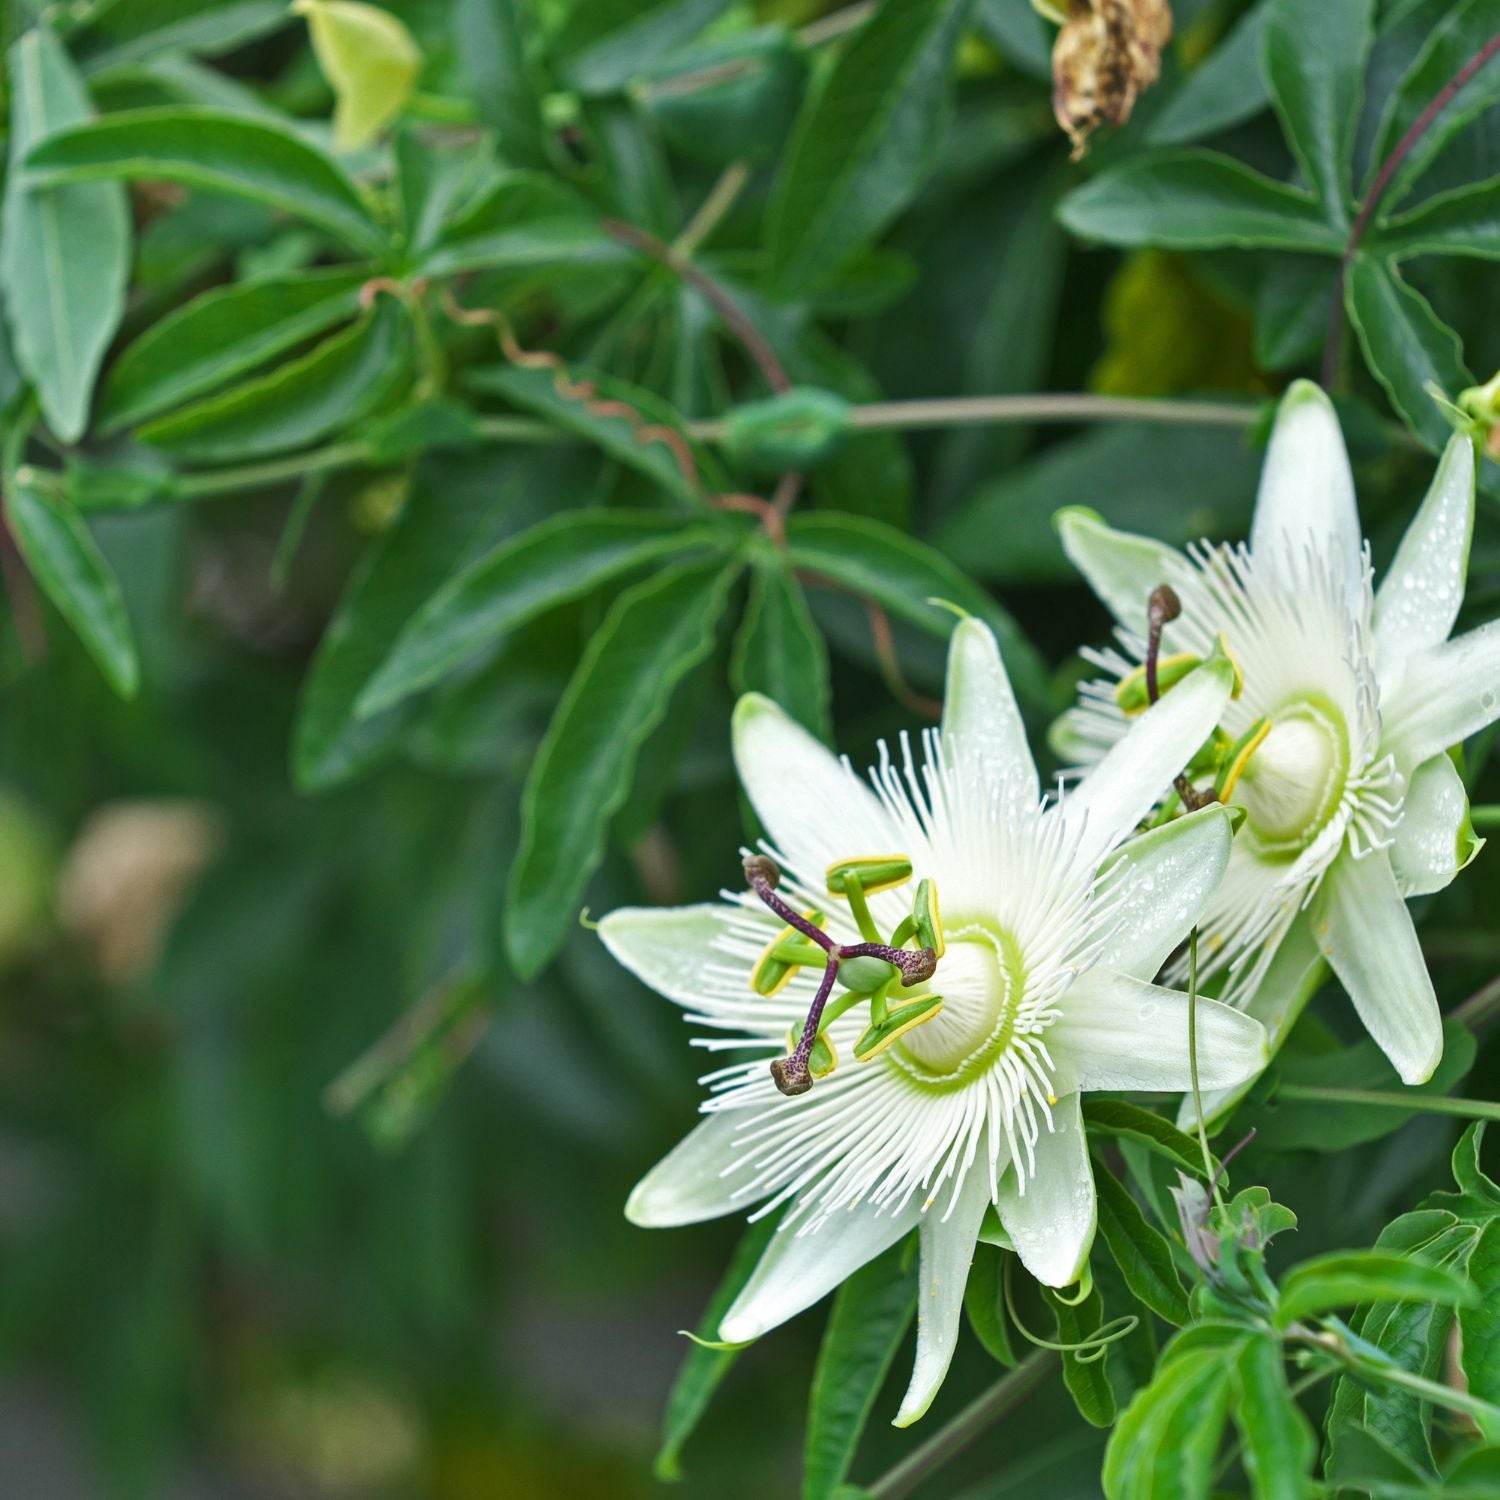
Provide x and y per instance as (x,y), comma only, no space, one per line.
(217,1260)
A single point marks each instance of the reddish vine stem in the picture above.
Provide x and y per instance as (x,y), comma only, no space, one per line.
(1388,169)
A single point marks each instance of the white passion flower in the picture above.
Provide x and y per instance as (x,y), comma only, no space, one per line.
(922,1103)
(1336,746)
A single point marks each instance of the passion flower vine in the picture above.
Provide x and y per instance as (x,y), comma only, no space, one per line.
(928,970)
(1336,742)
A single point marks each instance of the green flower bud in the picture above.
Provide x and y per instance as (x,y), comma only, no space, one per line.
(796,430)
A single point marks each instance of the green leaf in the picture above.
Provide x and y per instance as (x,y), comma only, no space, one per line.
(64,251)
(984,1304)
(902,574)
(335,384)
(455,513)
(628,439)
(1453,42)
(1085,1376)
(1465,221)
(1117,1117)
(1142,1253)
(473,611)
(1196,200)
(654,634)
(1406,345)
(869,1320)
(1315,64)
(1280,1446)
(605,44)
(493,43)
(1292,305)
(1479,1323)
(133,34)
(1228,87)
(1346,1277)
(220,152)
(863,141)
(779,651)
(435,182)
(1473,1181)
(1166,1441)
(704,1369)
(220,334)
(67,564)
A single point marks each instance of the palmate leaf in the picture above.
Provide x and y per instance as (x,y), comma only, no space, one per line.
(654,634)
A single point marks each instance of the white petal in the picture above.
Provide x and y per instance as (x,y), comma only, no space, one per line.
(1116,1032)
(1306,496)
(1291,979)
(1121,568)
(948,1240)
(1419,597)
(689,1183)
(669,948)
(980,714)
(1435,839)
(1157,887)
(1053,1221)
(814,808)
(1444,694)
(800,1269)
(1135,773)
(1364,930)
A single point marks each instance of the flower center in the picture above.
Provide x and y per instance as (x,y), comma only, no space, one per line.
(1295,779)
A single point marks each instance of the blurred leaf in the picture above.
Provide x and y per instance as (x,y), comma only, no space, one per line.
(1406,345)
(1465,221)
(984,1304)
(870,1316)
(1117,1117)
(1279,1444)
(863,140)
(140,33)
(1084,1375)
(1228,87)
(338,382)
(64,252)
(220,334)
(493,41)
(1020,35)
(704,1369)
(902,574)
(1457,37)
(604,44)
(779,651)
(1315,64)
(1141,1252)
(549,565)
(67,564)
(1165,1443)
(1479,1323)
(1292,305)
(1196,200)
(435,181)
(1345,1277)
(652,636)
(221,152)
(1473,1181)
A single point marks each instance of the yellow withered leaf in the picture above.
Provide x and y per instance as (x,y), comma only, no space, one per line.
(370,60)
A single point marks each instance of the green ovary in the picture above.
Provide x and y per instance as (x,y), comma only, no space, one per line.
(1295,779)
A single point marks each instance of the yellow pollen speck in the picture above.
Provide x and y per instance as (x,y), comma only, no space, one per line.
(1051,1098)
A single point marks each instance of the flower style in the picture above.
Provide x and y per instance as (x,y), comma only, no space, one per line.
(960,1089)
(1336,747)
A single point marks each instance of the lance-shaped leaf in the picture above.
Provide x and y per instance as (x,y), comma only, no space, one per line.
(1346,1277)
(868,1322)
(1229,86)
(984,1304)
(559,560)
(604,44)
(1084,1371)
(1280,1446)
(1479,1323)
(779,651)
(1141,1252)
(652,637)
(1196,200)
(72,572)
(225,153)
(493,49)
(1117,1117)
(1465,221)
(223,333)
(64,251)
(864,139)
(341,380)
(1315,63)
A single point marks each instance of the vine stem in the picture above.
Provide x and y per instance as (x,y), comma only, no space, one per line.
(985,1410)
(1432,1104)
(1480,1008)
(1486,815)
(1388,169)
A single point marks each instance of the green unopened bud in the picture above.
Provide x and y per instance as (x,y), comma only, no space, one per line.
(928,918)
(1479,406)
(865,975)
(898,1021)
(797,429)
(783,956)
(873,872)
